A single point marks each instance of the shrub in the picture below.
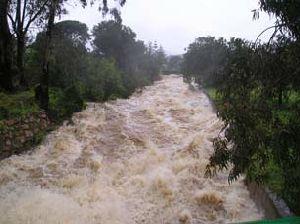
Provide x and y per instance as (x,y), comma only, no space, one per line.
(17,105)
(64,102)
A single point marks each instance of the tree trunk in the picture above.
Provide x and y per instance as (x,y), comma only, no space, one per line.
(20,43)
(5,49)
(20,59)
(44,82)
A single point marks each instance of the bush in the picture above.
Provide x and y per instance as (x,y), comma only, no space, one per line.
(103,80)
(17,105)
(65,102)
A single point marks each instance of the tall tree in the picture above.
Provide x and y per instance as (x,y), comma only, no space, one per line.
(113,40)
(203,59)
(23,14)
(44,81)
(68,53)
(5,48)
(43,92)
(174,64)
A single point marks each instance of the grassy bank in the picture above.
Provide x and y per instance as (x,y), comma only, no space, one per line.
(23,125)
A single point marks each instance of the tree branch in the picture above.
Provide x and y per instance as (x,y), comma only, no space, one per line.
(13,23)
(271,27)
(36,15)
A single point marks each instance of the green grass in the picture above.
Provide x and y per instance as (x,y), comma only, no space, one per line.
(288,220)
(17,104)
(293,96)
(212,92)
(274,178)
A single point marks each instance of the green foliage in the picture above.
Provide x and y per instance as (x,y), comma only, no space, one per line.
(63,103)
(103,80)
(287,15)
(285,220)
(258,100)
(140,65)
(117,66)
(38,138)
(17,105)
(212,93)
(173,65)
(71,100)
(68,56)
(204,59)
(113,40)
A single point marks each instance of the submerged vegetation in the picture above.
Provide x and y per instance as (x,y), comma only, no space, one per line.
(256,90)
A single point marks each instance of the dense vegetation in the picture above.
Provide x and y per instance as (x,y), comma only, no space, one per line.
(116,65)
(56,70)
(258,97)
(173,64)
(111,70)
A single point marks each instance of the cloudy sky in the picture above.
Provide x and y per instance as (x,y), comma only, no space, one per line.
(176,23)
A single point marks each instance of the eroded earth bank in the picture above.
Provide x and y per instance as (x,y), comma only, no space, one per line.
(140,160)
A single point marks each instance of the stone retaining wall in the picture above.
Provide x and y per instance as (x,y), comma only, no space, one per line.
(20,134)
(273,206)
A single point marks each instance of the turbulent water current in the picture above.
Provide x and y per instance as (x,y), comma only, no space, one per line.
(140,160)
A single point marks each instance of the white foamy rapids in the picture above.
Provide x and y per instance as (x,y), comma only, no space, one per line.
(140,160)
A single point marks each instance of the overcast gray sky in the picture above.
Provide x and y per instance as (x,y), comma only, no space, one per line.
(176,23)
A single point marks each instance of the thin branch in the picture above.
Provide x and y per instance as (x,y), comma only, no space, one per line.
(13,23)
(273,35)
(36,15)
(271,27)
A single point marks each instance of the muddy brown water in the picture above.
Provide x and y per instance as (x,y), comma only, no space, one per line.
(140,160)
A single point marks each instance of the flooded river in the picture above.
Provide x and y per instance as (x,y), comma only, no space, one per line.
(140,160)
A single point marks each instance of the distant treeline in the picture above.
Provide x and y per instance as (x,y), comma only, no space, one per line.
(256,89)
(173,65)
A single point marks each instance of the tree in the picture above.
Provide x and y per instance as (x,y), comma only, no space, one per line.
(5,49)
(23,14)
(113,40)
(174,64)
(258,101)
(140,65)
(43,91)
(287,15)
(160,58)
(203,59)
(68,55)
